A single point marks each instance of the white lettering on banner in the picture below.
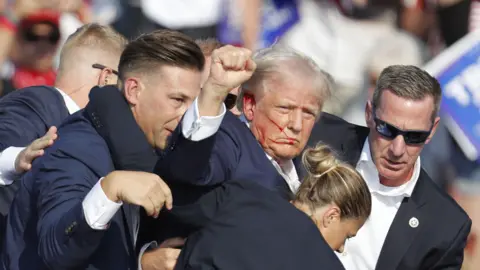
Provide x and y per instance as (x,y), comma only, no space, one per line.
(470,77)
(465,86)
(455,90)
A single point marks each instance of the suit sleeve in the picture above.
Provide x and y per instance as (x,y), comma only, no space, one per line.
(65,238)
(201,153)
(20,120)
(453,257)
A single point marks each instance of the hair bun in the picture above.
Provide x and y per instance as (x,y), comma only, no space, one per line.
(319,160)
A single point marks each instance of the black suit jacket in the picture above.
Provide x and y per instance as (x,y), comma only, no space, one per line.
(439,240)
(244,225)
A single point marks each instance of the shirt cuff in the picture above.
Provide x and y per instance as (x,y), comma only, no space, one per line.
(197,128)
(7,165)
(98,208)
(151,245)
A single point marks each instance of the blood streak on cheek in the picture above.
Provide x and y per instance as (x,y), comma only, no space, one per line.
(290,140)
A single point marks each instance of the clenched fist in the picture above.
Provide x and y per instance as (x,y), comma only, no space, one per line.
(24,160)
(231,66)
(138,188)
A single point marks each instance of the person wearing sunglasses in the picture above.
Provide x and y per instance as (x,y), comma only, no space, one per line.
(414,224)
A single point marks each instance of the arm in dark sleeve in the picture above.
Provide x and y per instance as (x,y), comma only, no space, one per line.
(65,238)
(201,163)
(23,117)
(453,257)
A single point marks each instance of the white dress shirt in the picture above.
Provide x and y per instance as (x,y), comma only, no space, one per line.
(362,251)
(9,155)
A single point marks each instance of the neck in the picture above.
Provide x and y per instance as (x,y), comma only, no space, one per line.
(77,91)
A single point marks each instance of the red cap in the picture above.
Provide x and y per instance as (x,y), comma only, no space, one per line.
(42,16)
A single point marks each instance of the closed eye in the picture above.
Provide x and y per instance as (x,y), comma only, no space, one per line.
(177,100)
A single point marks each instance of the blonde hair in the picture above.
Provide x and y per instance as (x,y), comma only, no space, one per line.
(94,37)
(330,180)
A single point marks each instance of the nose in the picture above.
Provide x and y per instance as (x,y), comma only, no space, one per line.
(295,121)
(397,146)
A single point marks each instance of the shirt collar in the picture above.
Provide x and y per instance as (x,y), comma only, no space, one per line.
(368,170)
(72,107)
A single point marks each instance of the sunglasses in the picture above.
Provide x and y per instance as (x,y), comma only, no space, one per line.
(389,131)
(230,101)
(100,66)
(53,37)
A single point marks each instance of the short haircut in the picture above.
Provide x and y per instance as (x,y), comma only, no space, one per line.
(94,36)
(331,181)
(277,60)
(158,48)
(408,82)
(209,45)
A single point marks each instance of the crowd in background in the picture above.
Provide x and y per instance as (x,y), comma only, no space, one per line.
(354,40)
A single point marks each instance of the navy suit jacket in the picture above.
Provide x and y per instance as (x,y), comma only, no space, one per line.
(46,226)
(193,168)
(26,115)
(246,226)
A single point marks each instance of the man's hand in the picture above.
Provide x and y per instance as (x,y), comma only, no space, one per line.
(164,257)
(231,66)
(24,160)
(139,188)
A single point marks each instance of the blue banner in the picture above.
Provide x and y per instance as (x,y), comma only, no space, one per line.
(458,71)
(277,17)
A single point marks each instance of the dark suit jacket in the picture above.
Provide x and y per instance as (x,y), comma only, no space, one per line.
(46,226)
(193,168)
(246,226)
(26,115)
(438,241)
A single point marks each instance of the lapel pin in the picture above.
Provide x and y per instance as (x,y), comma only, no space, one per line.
(413,222)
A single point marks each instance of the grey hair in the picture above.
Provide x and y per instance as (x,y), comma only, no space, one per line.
(408,82)
(279,59)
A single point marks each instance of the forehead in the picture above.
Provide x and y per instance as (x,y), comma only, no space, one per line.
(176,80)
(293,88)
(404,113)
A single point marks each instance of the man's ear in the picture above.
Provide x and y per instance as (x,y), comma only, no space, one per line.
(249,106)
(132,88)
(434,129)
(106,77)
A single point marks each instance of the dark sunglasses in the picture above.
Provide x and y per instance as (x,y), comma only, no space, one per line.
(99,66)
(389,131)
(53,37)
(230,101)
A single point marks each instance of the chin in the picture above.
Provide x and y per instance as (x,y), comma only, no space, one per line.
(391,174)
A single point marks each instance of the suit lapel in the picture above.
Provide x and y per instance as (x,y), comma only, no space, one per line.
(405,226)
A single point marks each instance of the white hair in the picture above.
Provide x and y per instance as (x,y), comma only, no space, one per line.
(279,59)
(396,48)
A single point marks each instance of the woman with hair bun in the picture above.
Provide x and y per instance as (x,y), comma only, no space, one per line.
(242,225)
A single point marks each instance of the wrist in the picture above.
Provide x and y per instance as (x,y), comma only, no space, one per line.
(110,188)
